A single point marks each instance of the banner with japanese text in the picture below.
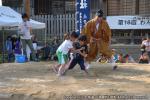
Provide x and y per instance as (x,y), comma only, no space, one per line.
(128,22)
(82,14)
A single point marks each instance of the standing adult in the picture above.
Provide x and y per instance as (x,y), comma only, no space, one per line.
(35,45)
(143,46)
(9,48)
(26,36)
(146,43)
(98,35)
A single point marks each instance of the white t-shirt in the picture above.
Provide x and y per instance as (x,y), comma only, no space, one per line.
(25,30)
(147,44)
(65,46)
(97,26)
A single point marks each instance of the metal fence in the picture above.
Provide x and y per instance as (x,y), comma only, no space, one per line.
(57,25)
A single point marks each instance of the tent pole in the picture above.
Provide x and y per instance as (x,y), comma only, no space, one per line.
(132,36)
(45,36)
(26,7)
(3,58)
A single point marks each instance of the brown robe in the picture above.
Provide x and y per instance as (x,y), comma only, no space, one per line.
(102,38)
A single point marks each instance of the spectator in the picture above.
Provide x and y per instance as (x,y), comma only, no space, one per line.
(35,45)
(26,36)
(146,43)
(143,47)
(17,49)
(144,58)
(128,59)
(14,39)
(9,48)
(115,55)
(53,49)
(46,51)
(120,58)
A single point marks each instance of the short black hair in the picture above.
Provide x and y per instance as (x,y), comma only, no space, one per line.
(74,34)
(99,13)
(82,38)
(9,37)
(76,45)
(24,15)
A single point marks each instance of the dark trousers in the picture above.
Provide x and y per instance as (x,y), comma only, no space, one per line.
(29,43)
(148,52)
(75,61)
(10,56)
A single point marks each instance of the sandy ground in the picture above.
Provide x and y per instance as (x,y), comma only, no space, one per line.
(37,81)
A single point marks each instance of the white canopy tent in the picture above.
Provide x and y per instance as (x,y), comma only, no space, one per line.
(11,18)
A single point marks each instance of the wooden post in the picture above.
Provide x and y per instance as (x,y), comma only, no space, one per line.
(27,7)
(137,7)
(104,4)
(3,59)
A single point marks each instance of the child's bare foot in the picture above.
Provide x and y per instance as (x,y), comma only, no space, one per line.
(115,67)
(86,73)
(87,66)
(64,72)
(55,69)
(59,75)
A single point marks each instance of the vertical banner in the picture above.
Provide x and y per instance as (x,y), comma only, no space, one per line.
(82,14)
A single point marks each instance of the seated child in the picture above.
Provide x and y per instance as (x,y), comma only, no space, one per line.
(115,55)
(128,59)
(46,52)
(144,58)
(17,49)
(143,49)
(120,58)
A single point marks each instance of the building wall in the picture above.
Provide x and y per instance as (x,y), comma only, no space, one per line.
(94,6)
(130,8)
(110,7)
(53,6)
(121,7)
(127,7)
(144,7)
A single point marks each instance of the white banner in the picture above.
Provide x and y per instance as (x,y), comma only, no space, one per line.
(0,2)
(128,22)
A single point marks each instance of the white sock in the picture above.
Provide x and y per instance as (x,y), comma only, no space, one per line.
(87,65)
(112,61)
(59,70)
